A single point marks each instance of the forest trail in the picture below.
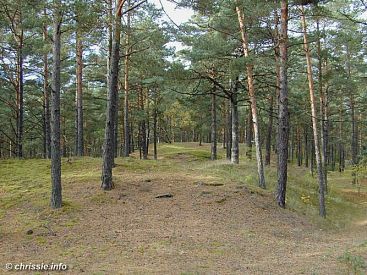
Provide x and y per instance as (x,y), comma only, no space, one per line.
(206,227)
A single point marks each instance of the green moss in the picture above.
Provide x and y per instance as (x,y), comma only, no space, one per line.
(302,189)
(70,222)
(41,240)
(191,150)
(101,198)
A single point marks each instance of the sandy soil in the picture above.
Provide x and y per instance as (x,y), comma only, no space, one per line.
(201,229)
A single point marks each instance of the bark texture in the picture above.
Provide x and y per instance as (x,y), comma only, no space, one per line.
(269,131)
(127,150)
(79,140)
(235,130)
(155,125)
(323,107)
(283,117)
(56,193)
(46,100)
(213,155)
(228,129)
(108,147)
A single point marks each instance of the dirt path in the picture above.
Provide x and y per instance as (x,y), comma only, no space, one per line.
(201,229)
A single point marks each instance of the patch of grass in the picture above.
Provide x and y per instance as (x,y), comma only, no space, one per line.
(22,180)
(191,150)
(364,244)
(217,248)
(159,246)
(355,263)
(28,181)
(70,222)
(102,197)
(141,249)
(25,189)
(41,240)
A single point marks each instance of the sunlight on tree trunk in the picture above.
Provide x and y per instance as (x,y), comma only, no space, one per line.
(251,91)
(320,173)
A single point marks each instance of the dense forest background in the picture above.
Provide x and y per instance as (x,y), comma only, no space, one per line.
(288,79)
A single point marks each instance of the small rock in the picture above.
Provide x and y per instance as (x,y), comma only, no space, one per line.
(148,180)
(30,232)
(167,195)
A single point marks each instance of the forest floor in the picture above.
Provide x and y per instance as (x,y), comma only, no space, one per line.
(215,221)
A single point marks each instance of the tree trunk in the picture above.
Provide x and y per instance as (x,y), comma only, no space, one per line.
(270,130)
(147,121)
(251,91)
(213,155)
(56,193)
(320,173)
(109,64)
(20,91)
(235,133)
(312,164)
(108,148)
(132,141)
(64,144)
(127,149)
(143,133)
(271,97)
(228,129)
(249,135)
(307,149)
(323,134)
(79,139)
(341,145)
(46,99)
(155,121)
(354,143)
(283,116)
(292,144)
(116,125)
(333,152)
(1,146)
(299,147)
